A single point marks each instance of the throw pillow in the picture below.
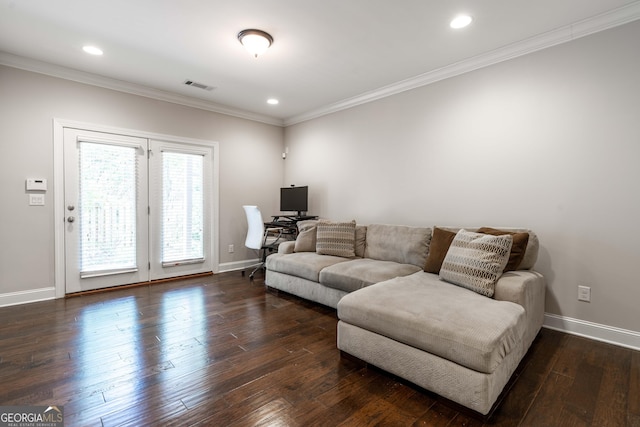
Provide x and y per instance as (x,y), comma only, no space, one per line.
(336,238)
(306,239)
(440,242)
(518,249)
(475,261)
(361,238)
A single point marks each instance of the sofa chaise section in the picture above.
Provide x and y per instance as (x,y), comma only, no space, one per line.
(447,339)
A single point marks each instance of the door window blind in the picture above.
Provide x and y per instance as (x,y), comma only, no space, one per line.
(107,207)
(182,208)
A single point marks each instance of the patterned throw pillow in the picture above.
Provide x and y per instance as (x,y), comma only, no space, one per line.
(475,261)
(336,238)
(518,248)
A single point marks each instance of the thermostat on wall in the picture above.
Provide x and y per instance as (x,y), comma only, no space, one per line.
(36,184)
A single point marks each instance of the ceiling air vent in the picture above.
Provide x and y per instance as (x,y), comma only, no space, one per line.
(198,85)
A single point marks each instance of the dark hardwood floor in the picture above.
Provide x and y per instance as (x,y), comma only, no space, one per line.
(220,351)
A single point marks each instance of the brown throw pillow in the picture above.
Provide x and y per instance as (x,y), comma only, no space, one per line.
(519,247)
(440,242)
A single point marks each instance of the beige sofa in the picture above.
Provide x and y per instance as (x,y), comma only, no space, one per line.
(443,334)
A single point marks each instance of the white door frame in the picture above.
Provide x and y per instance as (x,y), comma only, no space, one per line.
(59,216)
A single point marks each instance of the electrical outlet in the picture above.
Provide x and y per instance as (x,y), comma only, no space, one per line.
(231,249)
(584,293)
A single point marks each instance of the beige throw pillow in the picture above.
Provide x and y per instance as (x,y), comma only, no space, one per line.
(476,261)
(336,238)
(306,239)
(361,238)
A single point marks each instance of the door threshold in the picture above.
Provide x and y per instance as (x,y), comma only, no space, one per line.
(137,285)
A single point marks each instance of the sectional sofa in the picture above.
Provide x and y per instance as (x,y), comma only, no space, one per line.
(452,310)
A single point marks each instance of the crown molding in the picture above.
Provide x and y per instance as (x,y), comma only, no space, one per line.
(595,24)
(605,21)
(46,68)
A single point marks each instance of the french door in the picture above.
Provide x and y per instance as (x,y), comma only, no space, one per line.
(136,209)
(180,209)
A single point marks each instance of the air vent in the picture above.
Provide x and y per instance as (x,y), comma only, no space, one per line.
(198,85)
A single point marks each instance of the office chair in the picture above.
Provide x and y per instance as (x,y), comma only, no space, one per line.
(260,238)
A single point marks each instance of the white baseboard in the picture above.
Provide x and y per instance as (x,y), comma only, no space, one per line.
(594,331)
(23,297)
(43,294)
(237,265)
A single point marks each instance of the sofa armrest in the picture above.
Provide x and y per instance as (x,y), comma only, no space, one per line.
(520,286)
(526,288)
(286,247)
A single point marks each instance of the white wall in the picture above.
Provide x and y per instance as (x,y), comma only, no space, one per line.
(549,141)
(250,163)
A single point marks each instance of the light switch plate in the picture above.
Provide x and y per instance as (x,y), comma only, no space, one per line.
(36,199)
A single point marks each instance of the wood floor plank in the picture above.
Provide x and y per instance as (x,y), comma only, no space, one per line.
(222,350)
(438,415)
(549,403)
(634,385)
(613,396)
(580,400)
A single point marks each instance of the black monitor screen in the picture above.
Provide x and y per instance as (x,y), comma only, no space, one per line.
(293,199)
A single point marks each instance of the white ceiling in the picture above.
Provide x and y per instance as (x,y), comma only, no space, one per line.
(326,54)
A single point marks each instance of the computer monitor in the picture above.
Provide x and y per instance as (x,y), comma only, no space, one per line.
(294,199)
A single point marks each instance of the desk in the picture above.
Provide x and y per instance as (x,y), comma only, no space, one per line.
(288,222)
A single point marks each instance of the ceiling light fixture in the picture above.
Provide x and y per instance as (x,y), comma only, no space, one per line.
(92,50)
(461,21)
(272,101)
(255,41)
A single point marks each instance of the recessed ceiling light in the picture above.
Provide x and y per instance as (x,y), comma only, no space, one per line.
(461,21)
(92,50)
(273,101)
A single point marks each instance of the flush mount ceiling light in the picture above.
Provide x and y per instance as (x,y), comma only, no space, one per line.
(461,21)
(92,50)
(255,41)
(272,101)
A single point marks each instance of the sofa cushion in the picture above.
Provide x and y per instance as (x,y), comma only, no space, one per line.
(336,238)
(399,243)
(518,248)
(440,242)
(358,273)
(476,261)
(440,318)
(301,264)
